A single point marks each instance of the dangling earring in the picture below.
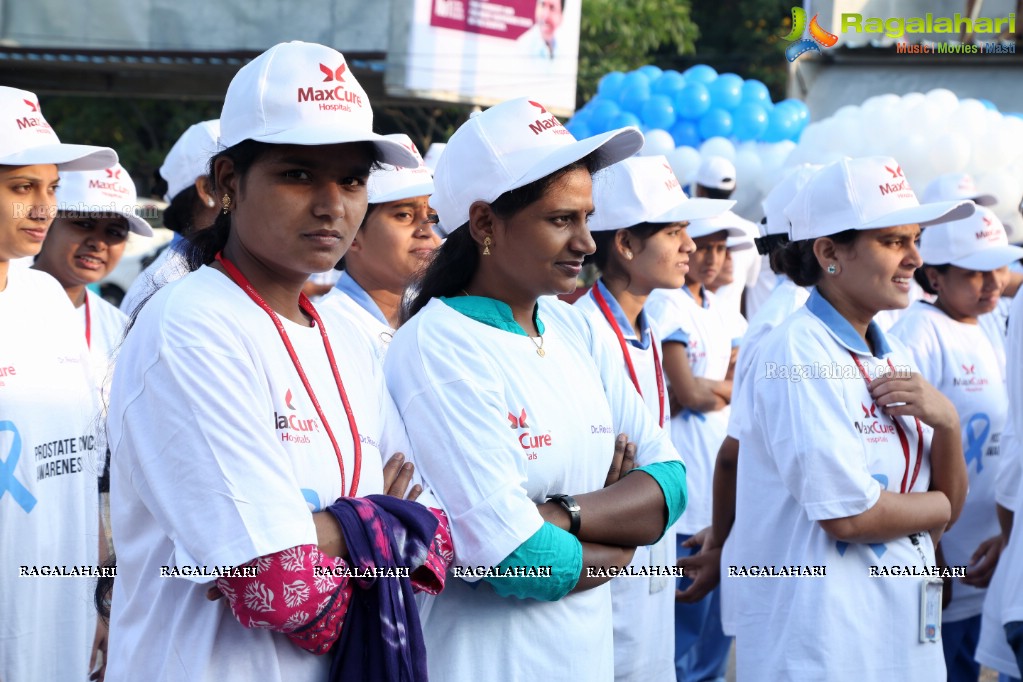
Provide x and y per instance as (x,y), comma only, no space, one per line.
(832,269)
(486,246)
(225,202)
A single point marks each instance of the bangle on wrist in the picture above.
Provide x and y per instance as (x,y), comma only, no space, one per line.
(568,503)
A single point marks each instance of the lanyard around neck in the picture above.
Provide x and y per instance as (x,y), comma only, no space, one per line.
(903,440)
(606,310)
(238,278)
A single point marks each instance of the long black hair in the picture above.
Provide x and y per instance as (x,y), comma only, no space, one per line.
(799,262)
(456,261)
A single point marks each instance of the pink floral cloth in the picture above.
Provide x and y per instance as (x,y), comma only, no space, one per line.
(289,595)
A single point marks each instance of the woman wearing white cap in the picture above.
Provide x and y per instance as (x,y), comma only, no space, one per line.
(699,340)
(95,212)
(526,399)
(966,268)
(393,245)
(237,415)
(639,226)
(192,207)
(852,464)
(49,510)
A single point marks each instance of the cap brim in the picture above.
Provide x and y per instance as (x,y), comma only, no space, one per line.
(388,151)
(985,199)
(729,231)
(69,157)
(990,259)
(739,245)
(695,209)
(420,190)
(608,148)
(924,215)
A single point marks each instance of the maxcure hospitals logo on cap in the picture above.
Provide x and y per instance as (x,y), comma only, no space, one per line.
(546,121)
(112,186)
(992,235)
(671,182)
(337,98)
(33,119)
(817,39)
(896,183)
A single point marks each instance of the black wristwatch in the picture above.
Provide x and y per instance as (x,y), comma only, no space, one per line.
(569,504)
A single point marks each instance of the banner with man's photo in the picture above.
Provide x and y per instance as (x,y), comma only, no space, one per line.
(485,51)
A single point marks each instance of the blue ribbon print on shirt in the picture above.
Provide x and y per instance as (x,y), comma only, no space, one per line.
(975,443)
(312,499)
(8,483)
(878,547)
(687,414)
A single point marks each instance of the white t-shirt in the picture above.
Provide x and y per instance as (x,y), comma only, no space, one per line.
(498,430)
(785,299)
(758,294)
(962,363)
(169,266)
(106,330)
(643,610)
(709,332)
(218,457)
(363,312)
(745,271)
(818,449)
(49,464)
(1004,603)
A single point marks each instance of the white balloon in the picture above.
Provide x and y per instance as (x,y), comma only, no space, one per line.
(657,143)
(684,161)
(718,146)
(945,99)
(912,99)
(747,167)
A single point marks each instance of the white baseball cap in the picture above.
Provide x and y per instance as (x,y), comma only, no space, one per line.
(952,186)
(644,189)
(716,172)
(978,242)
(433,155)
(26,139)
(392,183)
(190,156)
(302,93)
(726,222)
(865,193)
(509,146)
(779,197)
(739,243)
(110,190)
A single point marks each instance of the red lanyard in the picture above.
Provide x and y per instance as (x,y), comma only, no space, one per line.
(903,440)
(604,308)
(236,275)
(88,323)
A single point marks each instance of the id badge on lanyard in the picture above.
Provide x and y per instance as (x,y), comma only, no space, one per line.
(930,600)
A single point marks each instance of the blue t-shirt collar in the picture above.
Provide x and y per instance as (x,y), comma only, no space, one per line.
(348,285)
(704,301)
(641,339)
(842,330)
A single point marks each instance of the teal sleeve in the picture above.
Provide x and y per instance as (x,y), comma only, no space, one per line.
(548,548)
(671,476)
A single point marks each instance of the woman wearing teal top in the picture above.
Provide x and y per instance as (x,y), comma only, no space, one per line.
(526,400)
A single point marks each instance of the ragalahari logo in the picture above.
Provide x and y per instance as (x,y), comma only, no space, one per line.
(334,74)
(818,36)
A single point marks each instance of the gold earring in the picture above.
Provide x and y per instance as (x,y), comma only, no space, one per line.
(486,246)
(225,203)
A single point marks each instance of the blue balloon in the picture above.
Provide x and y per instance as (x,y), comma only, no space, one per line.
(658,112)
(685,133)
(701,73)
(988,104)
(610,85)
(602,114)
(692,101)
(749,121)
(652,72)
(634,96)
(782,124)
(726,91)
(580,130)
(669,83)
(634,78)
(755,92)
(625,119)
(715,123)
